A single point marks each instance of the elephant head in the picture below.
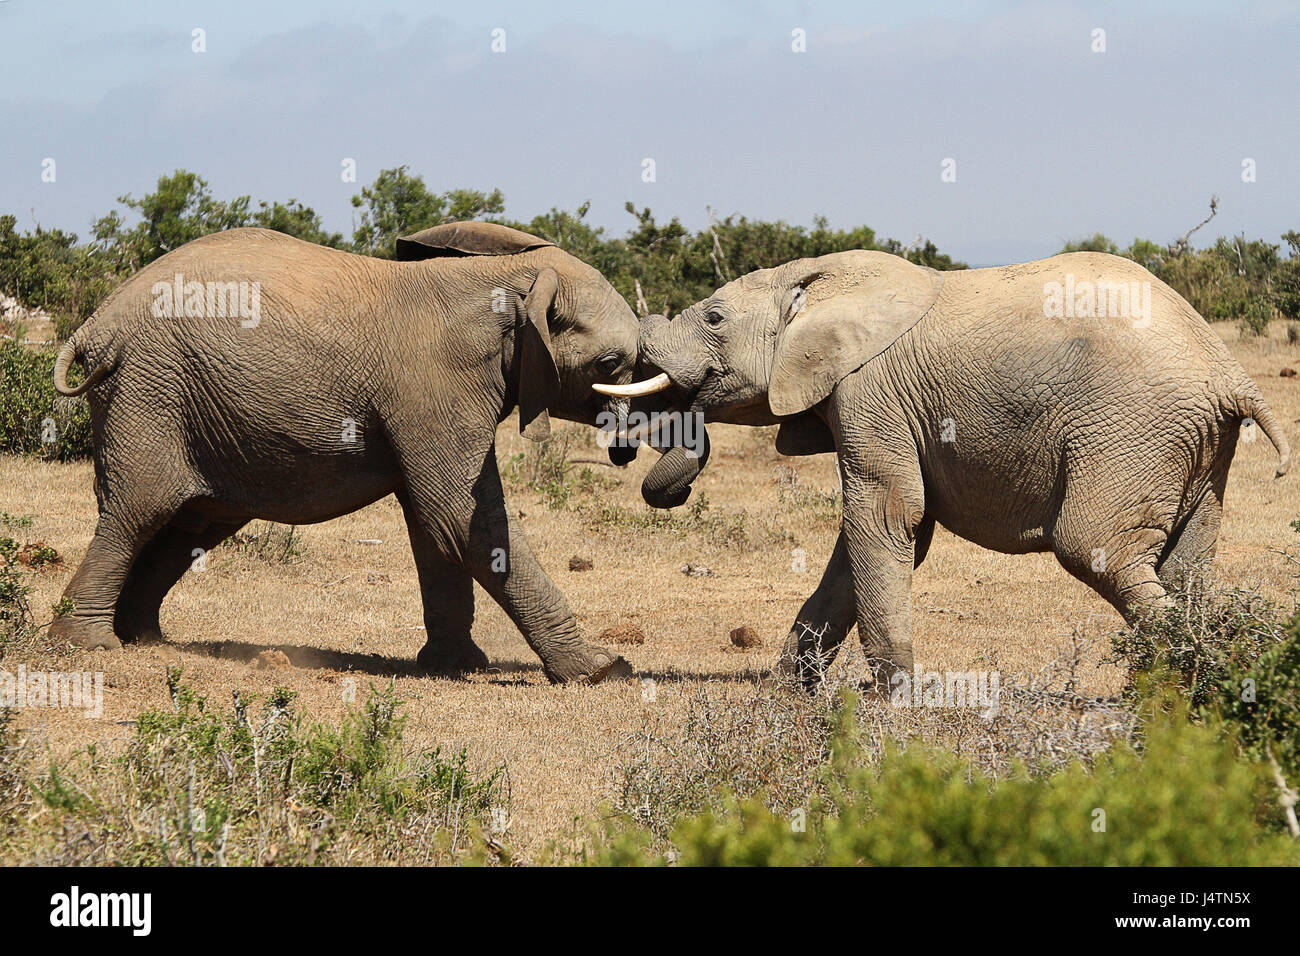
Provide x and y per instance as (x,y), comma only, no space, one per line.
(571,329)
(768,347)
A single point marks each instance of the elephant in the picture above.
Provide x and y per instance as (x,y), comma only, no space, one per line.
(251,375)
(1075,404)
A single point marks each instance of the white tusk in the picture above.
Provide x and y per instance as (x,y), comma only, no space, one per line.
(636,389)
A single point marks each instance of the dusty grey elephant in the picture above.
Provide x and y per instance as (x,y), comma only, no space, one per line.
(252,375)
(1076,405)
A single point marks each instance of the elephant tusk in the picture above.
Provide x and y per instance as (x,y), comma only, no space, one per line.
(636,389)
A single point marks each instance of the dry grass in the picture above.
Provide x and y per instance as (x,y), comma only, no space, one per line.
(346,609)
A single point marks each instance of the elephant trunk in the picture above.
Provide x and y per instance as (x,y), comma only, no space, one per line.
(668,484)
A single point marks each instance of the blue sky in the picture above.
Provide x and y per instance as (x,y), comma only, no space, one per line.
(1051,140)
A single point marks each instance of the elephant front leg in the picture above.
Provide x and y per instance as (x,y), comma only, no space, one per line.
(883,516)
(447,592)
(473,527)
(823,622)
(504,565)
(827,616)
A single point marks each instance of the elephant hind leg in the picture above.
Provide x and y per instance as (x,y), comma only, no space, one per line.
(162,563)
(1190,549)
(1117,563)
(120,537)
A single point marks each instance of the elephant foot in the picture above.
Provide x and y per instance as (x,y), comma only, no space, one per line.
(145,636)
(137,633)
(438,658)
(804,669)
(90,635)
(793,675)
(590,665)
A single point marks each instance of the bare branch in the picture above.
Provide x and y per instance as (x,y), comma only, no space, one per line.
(1180,246)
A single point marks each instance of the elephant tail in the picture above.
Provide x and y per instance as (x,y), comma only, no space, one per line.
(1251,404)
(75,349)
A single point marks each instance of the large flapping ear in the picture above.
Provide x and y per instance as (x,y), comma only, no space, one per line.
(843,312)
(466,239)
(539,380)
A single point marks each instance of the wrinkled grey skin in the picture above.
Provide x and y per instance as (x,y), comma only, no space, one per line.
(201,424)
(953,398)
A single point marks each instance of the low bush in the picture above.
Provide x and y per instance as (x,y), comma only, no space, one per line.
(15,611)
(253,784)
(545,469)
(34,418)
(737,530)
(1184,799)
(1233,658)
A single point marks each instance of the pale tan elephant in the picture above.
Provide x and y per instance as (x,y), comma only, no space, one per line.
(1076,405)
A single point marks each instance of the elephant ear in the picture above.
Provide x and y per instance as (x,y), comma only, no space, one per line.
(466,239)
(843,312)
(539,380)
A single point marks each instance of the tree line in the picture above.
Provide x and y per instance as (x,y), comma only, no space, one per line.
(658,267)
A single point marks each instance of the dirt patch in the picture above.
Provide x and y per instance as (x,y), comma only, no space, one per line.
(622,634)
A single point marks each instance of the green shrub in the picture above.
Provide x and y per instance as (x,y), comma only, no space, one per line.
(1263,705)
(34,419)
(15,612)
(1203,645)
(1185,800)
(1255,316)
(1231,657)
(545,468)
(279,544)
(256,784)
(723,528)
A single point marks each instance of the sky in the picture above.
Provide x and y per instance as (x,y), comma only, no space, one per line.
(1042,136)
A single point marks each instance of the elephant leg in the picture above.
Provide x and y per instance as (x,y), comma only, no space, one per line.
(1190,549)
(884,515)
(924,535)
(120,537)
(447,591)
(162,563)
(1116,561)
(828,615)
(465,516)
(823,622)
(1193,545)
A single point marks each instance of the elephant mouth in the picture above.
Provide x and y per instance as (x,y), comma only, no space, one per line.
(691,399)
(678,433)
(696,399)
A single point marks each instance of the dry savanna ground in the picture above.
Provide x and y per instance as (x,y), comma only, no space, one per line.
(346,611)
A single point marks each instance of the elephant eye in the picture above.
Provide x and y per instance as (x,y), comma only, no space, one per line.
(713,317)
(609,364)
